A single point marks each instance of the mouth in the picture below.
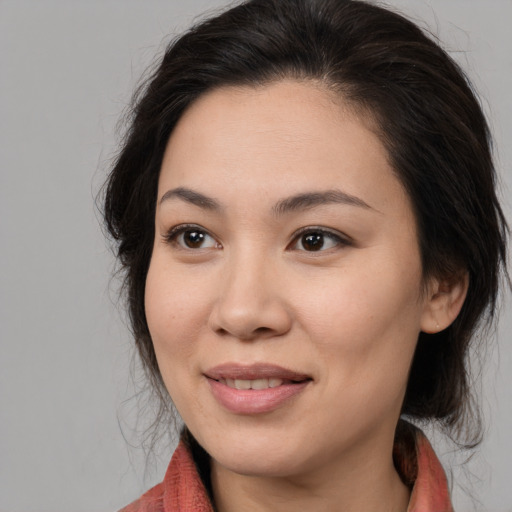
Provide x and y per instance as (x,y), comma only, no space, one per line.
(255,376)
(253,383)
(254,389)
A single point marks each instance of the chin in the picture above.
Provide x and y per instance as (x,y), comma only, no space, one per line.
(260,465)
(259,456)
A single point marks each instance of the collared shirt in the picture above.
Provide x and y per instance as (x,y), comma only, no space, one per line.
(182,489)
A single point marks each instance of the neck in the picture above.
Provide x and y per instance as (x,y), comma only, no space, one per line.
(357,483)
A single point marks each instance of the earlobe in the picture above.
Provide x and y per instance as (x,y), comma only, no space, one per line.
(444,302)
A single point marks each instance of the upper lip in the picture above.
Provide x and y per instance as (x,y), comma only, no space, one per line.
(254,371)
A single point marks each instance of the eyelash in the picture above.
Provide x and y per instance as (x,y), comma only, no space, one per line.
(172,235)
(340,240)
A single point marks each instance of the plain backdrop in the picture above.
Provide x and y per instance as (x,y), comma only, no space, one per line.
(67,69)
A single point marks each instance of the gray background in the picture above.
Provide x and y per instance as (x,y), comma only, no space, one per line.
(66,72)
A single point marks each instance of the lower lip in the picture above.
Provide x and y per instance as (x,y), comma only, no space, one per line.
(254,401)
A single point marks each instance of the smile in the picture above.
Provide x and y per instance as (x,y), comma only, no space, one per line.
(252,384)
(254,389)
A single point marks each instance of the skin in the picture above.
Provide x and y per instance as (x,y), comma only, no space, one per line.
(347,315)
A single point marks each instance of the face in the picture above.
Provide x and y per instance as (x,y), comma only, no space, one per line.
(284,294)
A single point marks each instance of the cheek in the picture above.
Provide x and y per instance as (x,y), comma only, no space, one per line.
(175,312)
(367,321)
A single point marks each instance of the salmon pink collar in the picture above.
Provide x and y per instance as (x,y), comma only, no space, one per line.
(183,490)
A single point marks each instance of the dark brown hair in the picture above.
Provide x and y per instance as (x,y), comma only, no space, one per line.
(426,115)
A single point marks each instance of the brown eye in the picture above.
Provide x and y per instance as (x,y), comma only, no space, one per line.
(312,241)
(191,237)
(317,240)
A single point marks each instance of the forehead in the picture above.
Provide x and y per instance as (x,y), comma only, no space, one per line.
(282,137)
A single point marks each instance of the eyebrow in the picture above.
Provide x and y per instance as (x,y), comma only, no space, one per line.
(192,197)
(294,203)
(312,199)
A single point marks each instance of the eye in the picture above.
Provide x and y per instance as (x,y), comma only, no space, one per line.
(191,237)
(317,239)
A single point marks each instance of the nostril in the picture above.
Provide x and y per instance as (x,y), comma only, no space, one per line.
(221,331)
(262,330)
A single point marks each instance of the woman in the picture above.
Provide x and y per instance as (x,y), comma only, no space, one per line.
(306,213)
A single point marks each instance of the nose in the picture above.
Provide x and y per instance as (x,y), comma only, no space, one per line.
(250,303)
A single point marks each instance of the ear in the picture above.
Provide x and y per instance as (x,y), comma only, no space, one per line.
(443,302)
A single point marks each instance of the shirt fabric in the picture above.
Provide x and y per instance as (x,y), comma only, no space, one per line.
(183,490)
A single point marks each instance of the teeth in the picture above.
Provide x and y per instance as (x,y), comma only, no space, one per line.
(252,384)
(273,383)
(242,384)
(259,384)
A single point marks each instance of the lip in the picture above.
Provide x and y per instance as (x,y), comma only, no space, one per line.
(254,371)
(255,401)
